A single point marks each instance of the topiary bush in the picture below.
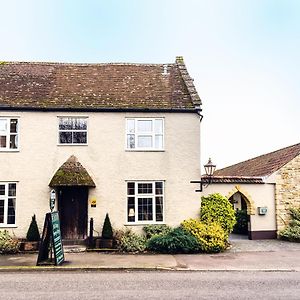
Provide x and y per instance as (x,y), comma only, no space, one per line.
(241,225)
(33,234)
(175,241)
(292,231)
(128,241)
(217,209)
(151,230)
(107,231)
(211,237)
(8,245)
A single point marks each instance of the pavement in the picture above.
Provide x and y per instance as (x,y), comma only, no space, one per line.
(244,255)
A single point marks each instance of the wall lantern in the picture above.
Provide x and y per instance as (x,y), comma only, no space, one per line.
(209,171)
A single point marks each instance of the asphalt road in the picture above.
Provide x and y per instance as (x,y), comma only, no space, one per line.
(149,285)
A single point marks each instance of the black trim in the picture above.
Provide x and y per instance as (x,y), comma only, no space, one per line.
(101,109)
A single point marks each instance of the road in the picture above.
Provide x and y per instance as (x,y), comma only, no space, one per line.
(149,285)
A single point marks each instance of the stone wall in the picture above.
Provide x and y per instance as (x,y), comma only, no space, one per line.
(287,193)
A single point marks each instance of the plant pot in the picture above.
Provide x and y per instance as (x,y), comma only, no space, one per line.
(106,243)
(29,246)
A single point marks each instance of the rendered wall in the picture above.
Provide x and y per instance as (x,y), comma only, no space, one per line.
(108,163)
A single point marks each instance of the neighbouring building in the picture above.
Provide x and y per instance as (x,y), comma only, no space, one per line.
(116,138)
(266,186)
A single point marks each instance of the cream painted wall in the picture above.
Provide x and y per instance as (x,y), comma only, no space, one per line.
(106,161)
(261,194)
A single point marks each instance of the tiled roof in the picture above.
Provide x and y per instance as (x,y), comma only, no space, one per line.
(261,166)
(97,86)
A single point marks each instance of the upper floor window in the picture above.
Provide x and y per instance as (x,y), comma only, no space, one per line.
(8,133)
(145,133)
(72,130)
(7,204)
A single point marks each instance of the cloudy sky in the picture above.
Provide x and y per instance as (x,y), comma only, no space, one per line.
(244,57)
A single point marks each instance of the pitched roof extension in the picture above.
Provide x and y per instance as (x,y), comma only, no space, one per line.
(107,86)
(260,166)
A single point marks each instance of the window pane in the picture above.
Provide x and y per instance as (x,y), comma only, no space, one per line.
(3,125)
(79,124)
(13,143)
(145,141)
(145,188)
(159,208)
(130,188)
(1,211)
(12,189)
(2,189)
(158,126)
(11,211)
(144,125)
(14,125)
(130,126)
(2,141)
(158,142)
(65,123)
(79,137)
(130,209)
(65,137)
(158,188)
(145,209)
(130,141)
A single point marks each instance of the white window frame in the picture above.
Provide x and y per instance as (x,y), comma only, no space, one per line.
(5,197)
(150,133)
(153,195)
(8,134)
(73,130)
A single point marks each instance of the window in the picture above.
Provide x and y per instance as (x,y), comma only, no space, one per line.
(72,131)
(145,202)
(145,134)
(8,134)
(7,204)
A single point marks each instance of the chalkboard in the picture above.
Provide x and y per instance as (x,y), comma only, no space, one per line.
(51,241)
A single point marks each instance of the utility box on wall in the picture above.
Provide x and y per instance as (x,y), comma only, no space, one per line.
(262,210)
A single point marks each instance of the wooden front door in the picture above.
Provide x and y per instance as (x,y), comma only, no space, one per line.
(72,206)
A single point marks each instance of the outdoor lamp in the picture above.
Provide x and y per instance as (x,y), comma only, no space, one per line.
(209,171)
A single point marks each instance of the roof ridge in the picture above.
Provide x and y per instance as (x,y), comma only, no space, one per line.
(188,81)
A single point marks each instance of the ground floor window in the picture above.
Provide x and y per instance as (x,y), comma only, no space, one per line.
(145,202)
(8,203)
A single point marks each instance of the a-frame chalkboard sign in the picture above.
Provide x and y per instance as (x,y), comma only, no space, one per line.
(51,241)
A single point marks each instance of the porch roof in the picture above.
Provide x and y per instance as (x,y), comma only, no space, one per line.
(72,173)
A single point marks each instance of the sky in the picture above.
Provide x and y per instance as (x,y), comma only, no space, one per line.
(243,55)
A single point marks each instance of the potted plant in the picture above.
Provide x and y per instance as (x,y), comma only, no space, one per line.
(107,234)
(32,237)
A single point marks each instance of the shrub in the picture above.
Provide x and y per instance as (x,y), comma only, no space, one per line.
(216,208)
(292,231)
(210,237)
(241,225)
(107,232)
(33,234)
(128,241)
(175,241)
(151,230)
(8,245)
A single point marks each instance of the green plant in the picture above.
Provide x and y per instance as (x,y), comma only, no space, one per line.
(33,234)
(292,231)
(128,241)
(216,208)
(154,229)
(8,244)
(241,225)
(107,232)
(175,241)
(211,236)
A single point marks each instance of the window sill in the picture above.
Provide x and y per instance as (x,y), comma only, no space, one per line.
(144,150)
(9,150)
(144,223)
(72,145)
(8,226)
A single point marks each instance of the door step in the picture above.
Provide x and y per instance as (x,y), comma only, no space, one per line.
(74,242)
(74,246)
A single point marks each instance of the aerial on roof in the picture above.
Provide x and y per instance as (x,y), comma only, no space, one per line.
(260,166)
(25,85)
